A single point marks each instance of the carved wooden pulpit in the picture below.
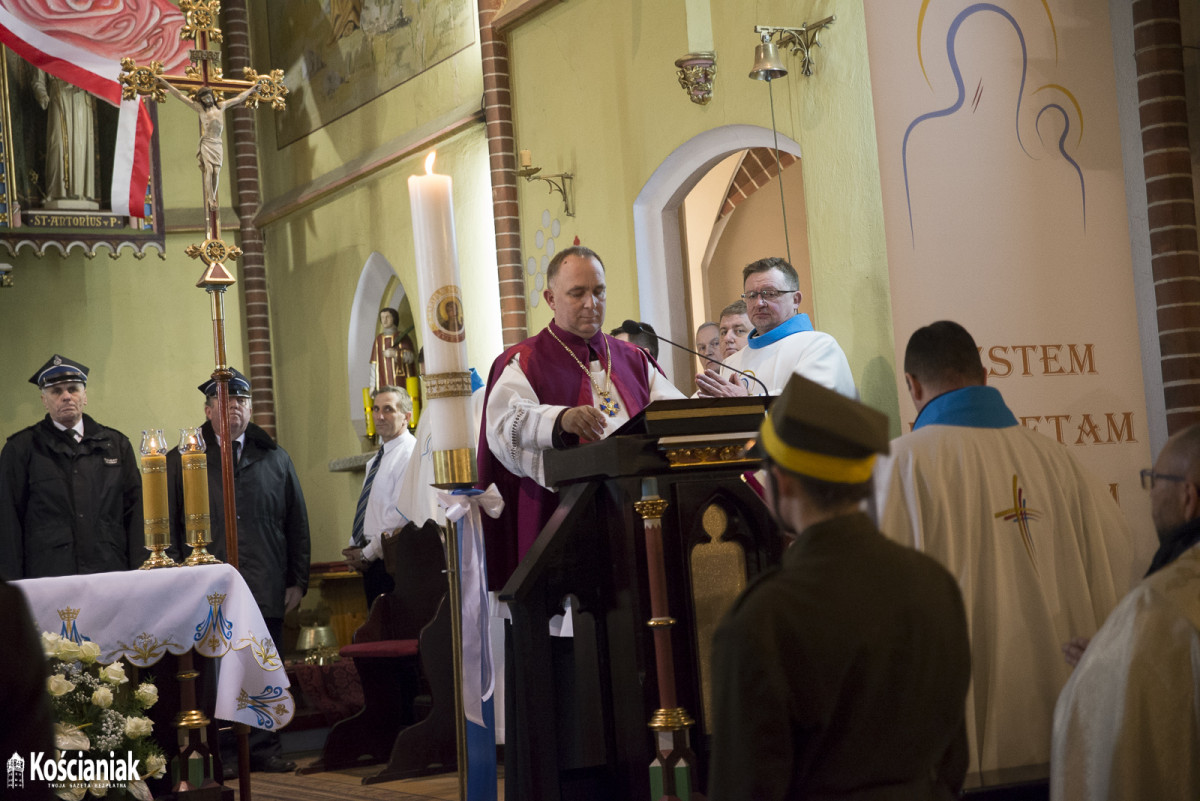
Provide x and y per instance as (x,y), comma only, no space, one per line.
(655,534)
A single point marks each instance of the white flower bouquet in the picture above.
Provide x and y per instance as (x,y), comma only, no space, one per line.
(99,718)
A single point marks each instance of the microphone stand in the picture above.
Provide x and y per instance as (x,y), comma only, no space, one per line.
(630,327)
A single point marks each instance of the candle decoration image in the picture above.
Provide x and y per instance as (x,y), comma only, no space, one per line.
(154,499)
(195,496)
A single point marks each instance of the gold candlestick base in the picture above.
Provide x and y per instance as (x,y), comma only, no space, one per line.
(201,556)
(158,558)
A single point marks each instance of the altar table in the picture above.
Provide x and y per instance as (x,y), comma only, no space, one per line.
(142,615)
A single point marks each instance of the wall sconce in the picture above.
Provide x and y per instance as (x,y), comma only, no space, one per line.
(696,72)
(800,41)
(564,185)
(6,275)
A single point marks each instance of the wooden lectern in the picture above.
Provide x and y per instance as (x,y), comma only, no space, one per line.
(655,534)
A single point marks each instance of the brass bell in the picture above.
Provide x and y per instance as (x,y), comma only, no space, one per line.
(767,63)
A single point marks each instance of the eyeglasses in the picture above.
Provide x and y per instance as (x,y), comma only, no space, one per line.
(1149,477)
(767,294)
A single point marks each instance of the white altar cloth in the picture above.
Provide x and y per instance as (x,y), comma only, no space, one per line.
(143,614)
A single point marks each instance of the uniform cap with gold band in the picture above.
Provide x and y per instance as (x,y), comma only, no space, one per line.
(59,370)
(816,432)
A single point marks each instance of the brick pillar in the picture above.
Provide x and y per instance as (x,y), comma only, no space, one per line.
(235,27)
(1175,265)
(497,103)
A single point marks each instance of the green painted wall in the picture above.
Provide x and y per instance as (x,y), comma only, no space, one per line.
(142,326)
(316,253)
(595,93)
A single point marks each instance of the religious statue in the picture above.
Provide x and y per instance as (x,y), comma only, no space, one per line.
(392,357)
(211,153)
(70,143)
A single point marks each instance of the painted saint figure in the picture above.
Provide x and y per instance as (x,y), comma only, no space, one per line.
(391,354)
(211,153)
(70,142)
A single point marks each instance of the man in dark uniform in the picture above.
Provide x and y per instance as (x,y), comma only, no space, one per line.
(70,491)
(273,541)
(843,673)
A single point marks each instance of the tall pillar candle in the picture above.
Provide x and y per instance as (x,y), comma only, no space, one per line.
(447,381)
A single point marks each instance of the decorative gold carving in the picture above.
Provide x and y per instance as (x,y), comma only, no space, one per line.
(268,88)
(660,622)
(650,509)
(447,385)
(709,455)
(213,251)
(671,719)
(454,467)
(201,18)
(696,72)
(137,80)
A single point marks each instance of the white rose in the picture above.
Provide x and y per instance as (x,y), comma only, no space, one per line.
(146,694)
(50,643)
(114,673)
(138,727)
(156,766)
(89,652)
(58,685)
(98,789)
(102,697)
(67,651)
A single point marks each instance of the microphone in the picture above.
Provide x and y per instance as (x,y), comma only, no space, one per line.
(630,327)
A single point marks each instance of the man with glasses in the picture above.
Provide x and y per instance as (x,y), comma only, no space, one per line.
(1127,724)
(783,341)
(70,490)
(272,521)
(1041,551)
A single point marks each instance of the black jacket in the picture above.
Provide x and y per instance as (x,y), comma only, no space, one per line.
(68,508)
(273,542)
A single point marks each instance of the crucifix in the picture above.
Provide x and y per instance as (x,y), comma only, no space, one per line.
(203,88)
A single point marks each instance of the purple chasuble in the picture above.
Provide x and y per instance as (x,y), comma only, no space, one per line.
(558,381)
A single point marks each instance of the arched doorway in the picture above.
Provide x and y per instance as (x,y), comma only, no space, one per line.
(658,234)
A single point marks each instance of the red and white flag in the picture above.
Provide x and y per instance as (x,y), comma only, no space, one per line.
(83,43)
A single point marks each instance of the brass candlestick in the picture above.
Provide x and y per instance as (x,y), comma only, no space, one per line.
(195,496)
(154,499)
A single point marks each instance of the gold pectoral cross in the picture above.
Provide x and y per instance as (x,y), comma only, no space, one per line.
(609,404)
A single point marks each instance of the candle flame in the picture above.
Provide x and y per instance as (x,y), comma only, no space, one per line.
(429,162)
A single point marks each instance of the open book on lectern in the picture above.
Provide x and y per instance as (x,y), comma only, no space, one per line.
(668,434)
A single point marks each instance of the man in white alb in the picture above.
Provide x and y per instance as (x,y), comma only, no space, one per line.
(1041,551)
(1127,724)
(783,341)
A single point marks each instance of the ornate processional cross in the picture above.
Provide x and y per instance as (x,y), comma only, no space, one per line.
(205,89)
(202,88)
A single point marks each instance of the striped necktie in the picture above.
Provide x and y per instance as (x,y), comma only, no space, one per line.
(357,537)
